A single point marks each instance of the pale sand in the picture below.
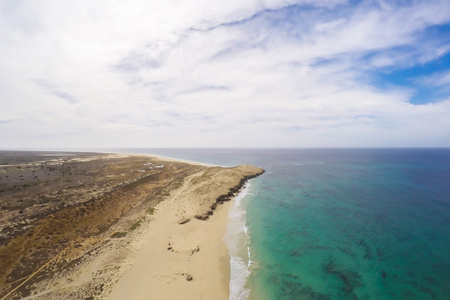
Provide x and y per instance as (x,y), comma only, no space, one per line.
(157,273)
(164,158)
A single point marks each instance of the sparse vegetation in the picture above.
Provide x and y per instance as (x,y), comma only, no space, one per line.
(72,200)
(136,225)
(117,235)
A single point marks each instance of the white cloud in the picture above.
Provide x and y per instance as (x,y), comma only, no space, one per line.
(203,73)
(438,79)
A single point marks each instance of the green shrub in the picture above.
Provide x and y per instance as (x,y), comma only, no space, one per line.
(119,235)
(136,225)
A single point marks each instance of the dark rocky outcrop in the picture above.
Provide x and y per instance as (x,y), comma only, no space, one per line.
(232,192)
(187,276)
(202,217)
(184,221)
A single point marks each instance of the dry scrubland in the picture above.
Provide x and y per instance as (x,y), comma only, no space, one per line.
(70,221)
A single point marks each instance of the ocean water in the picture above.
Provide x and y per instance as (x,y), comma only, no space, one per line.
(337,223)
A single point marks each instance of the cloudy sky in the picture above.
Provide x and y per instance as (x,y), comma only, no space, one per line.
(235,73)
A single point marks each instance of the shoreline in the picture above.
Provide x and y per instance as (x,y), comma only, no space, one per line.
(167,158)
(236,240)
(166,240)
(180,261)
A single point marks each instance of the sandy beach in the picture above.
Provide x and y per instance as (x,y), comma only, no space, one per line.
(167,253)
(153,228)
(182,261)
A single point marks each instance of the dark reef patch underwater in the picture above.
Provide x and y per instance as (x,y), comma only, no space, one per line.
(344,223)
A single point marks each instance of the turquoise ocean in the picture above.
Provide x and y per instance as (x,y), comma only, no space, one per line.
(337,223)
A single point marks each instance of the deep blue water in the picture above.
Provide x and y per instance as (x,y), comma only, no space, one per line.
(343,223)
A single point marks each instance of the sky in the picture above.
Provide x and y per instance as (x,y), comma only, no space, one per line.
(235,73)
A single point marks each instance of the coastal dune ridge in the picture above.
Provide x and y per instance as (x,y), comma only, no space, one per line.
(114,226)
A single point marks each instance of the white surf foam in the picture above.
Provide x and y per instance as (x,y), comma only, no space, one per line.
(237,241)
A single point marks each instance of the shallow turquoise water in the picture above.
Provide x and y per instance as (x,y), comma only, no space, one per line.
(344,223)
